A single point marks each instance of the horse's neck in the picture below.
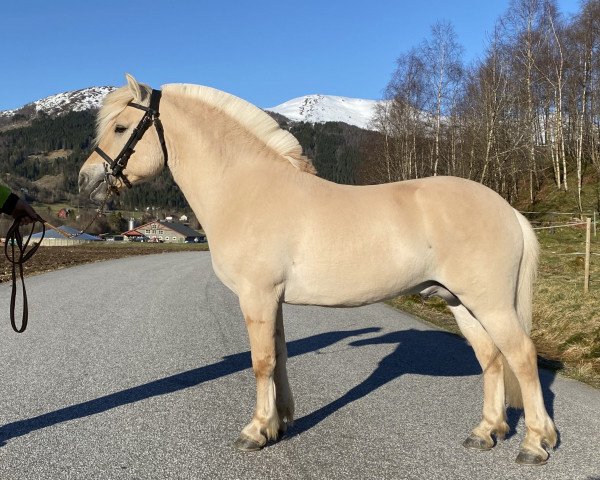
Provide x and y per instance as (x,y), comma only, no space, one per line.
(216,167)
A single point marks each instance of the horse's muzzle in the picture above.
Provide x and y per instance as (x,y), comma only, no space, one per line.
(92,184)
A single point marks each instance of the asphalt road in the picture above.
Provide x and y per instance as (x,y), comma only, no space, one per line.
(139,368)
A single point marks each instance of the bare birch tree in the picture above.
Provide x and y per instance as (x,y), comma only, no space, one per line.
(443,73)
(525,115)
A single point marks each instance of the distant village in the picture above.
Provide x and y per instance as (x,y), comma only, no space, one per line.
(167,230)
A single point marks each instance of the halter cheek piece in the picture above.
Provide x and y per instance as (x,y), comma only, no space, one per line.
(115,167)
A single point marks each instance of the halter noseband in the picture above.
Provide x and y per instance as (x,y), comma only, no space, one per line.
(115,167)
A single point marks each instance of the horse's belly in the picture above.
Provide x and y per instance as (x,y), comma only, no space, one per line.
(350,284)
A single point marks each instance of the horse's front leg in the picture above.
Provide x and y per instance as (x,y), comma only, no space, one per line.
(283,392)
(260,313)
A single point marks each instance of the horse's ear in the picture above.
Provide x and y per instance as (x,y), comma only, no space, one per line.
(135,88)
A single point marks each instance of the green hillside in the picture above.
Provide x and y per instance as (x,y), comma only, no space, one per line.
(41,160)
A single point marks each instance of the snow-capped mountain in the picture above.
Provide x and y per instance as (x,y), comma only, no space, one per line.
(328,108)
(310,108)
(74,101)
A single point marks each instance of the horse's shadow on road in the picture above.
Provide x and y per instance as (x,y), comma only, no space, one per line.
(431,353)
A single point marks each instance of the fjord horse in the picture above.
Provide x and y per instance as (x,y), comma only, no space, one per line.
(279,233)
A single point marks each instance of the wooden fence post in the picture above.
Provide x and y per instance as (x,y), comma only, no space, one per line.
(586,279)
(594,223)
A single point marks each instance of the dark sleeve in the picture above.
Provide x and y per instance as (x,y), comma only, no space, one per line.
(9,204)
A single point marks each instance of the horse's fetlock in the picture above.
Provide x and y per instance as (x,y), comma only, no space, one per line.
(501,430)
(550,438)
(270,428)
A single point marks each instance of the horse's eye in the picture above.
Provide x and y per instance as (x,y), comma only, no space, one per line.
(120,129)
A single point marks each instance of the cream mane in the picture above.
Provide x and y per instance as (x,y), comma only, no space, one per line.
(252,118)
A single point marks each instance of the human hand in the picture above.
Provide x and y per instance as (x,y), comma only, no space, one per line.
(25,213)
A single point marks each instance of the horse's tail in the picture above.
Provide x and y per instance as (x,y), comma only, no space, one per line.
(523,303)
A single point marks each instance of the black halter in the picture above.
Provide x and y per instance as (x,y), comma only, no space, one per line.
(115,167)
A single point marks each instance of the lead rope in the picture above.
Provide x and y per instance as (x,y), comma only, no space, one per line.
(15,240)
(99,212)
(110,190)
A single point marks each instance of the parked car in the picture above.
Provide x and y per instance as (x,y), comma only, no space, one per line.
(200,239)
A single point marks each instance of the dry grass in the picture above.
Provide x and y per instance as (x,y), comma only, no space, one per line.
(50,182)
(566,322)
(47,259)
(53,155)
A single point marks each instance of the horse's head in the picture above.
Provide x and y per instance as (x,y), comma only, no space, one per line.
(129,148)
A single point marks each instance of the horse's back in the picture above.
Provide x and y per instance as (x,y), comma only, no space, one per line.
(369,243)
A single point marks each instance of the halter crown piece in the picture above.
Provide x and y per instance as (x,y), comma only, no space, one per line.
(115,167)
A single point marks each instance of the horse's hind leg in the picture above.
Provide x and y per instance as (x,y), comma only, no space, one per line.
(283,399)
(505,330)
(260,313)
(493,420)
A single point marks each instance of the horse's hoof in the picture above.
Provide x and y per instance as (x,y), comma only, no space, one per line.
(245,444)
(478,443)
(530,458)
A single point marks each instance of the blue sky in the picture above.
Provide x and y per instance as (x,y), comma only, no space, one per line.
(266,52)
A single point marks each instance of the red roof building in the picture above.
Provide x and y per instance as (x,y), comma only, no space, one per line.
(135,236)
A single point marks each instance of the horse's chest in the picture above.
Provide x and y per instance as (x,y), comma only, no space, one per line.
(226,273)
